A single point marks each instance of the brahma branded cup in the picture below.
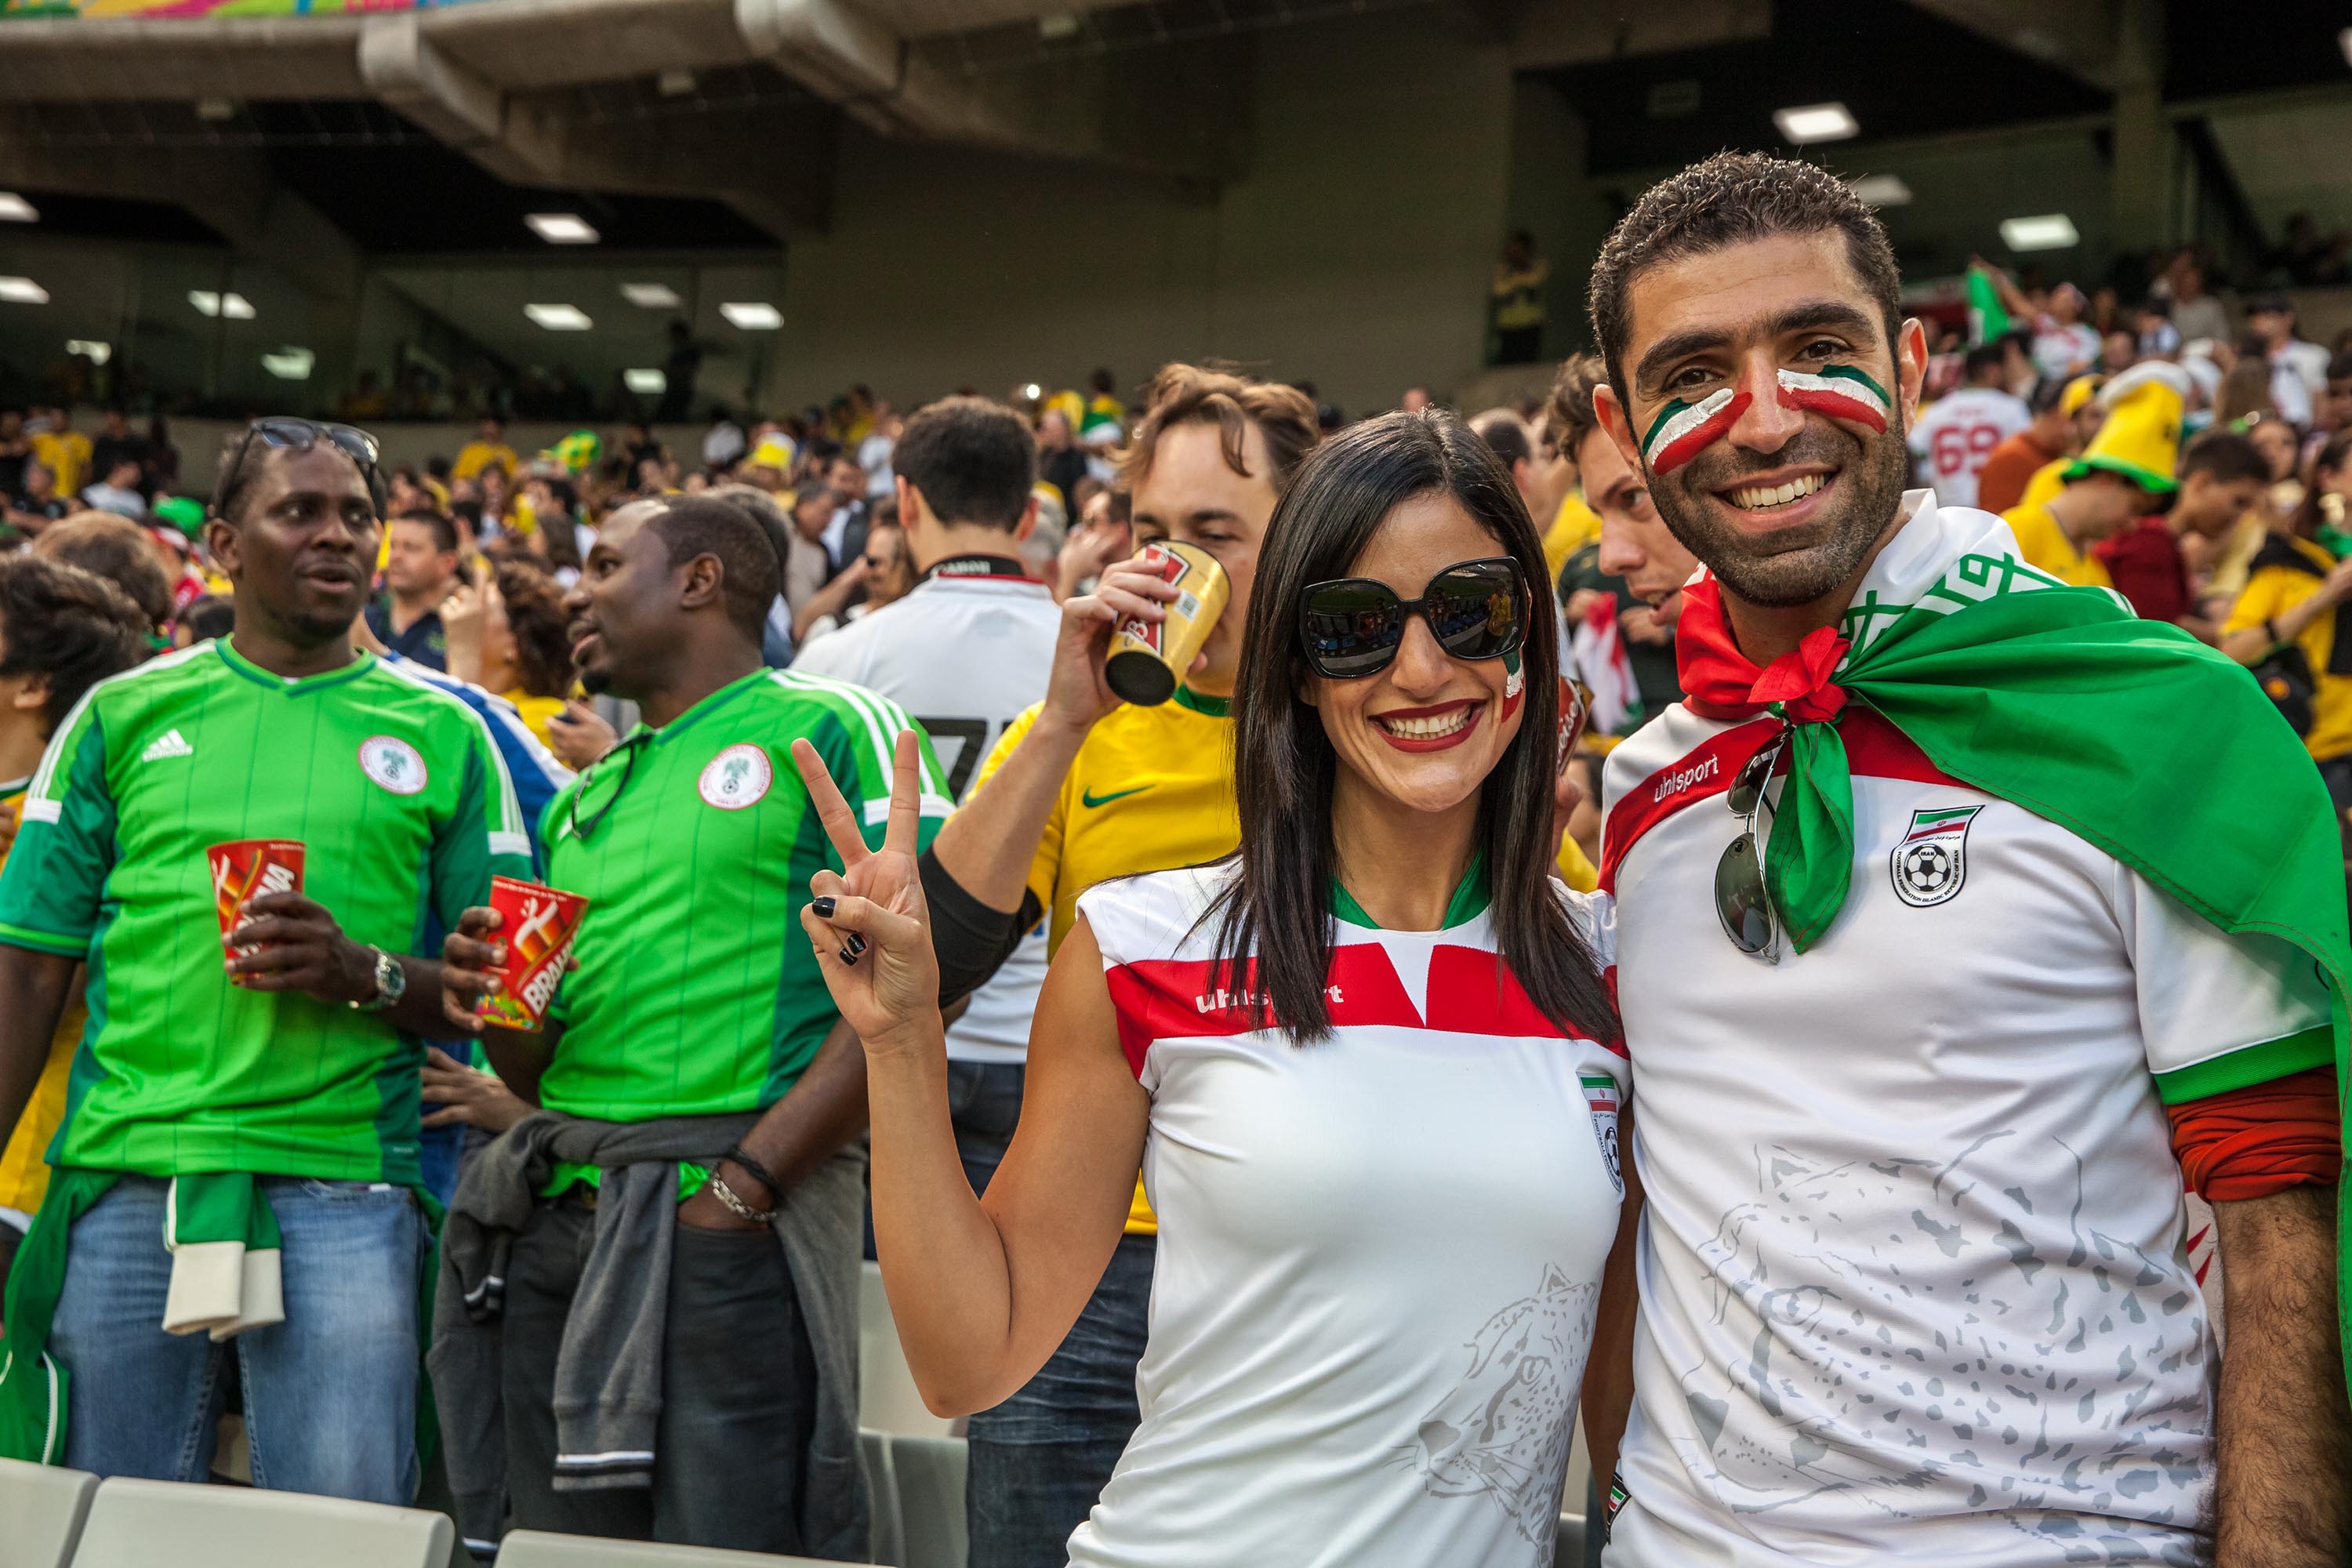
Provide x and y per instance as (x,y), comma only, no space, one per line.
(247,869)
(1148,659)
(538,925)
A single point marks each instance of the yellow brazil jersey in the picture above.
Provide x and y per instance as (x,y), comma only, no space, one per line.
(2045,544)
(2047,481)
(2271,592)
(1152,789)
(23,1172)
(1571,527)
(476,455)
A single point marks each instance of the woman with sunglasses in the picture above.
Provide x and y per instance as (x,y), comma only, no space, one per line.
(1365,1062)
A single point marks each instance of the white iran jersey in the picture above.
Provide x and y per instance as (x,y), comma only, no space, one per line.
(964,655)
(1954,435)
(1379,1254)
(1915,1275)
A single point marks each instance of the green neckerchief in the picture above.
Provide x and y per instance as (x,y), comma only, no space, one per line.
(1471,897)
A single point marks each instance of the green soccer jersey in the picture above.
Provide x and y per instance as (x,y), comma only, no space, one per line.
(403,808)
(696,993)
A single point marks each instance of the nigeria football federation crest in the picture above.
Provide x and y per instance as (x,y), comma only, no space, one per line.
(1931,862)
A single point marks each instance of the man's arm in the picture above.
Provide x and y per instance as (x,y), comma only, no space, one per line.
(290,943)
(817,1116)
(2282,1441)
(33,987)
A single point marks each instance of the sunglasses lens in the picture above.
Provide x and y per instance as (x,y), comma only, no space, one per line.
(1477,611)
(1753,776)
(1739,899)
(1350,628)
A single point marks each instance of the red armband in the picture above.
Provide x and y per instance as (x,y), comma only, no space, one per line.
(2261,1139)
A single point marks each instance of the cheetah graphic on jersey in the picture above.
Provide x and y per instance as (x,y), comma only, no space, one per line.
(1850,1388)
(1505,1431)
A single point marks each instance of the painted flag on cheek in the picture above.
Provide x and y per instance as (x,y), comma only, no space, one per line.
(1683,430)
(1840,392)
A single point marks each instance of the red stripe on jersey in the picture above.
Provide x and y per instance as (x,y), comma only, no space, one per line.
(1472,992)
(1178,998)
(1875,748)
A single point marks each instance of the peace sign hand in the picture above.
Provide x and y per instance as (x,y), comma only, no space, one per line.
(867,924)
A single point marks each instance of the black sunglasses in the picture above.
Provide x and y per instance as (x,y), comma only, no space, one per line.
(286,431)
(1742,903)
(1352,626)
(602,769)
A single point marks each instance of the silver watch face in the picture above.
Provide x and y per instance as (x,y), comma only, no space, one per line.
(391,979)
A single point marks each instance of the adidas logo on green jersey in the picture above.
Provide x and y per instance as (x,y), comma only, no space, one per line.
(172,745)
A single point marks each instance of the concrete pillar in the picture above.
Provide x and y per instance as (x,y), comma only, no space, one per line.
(2143,138)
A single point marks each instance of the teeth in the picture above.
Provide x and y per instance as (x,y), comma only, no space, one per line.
(1431,728)
(1756,498)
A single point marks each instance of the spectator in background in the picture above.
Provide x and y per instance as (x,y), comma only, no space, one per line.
(853,515)
(1061,462)
(681,366)
(65,450)
(1518,300)
(2048,436)
(806,565)
(2223,477)
(2298,369)
(2333,413)
(2158,338)
(116,490)
(512,636)
(208,616)
(420,568)
(1414,400)
(115,445)
(2293,622)
(62,630)
(2126,472)
(2193,312)
(14,449)
(2064,345)
(487,449)
(1508,436)
(1955,437)
(873,452)
(638,447)
(722,443)
(2118,351)
(35,501)
(119,551)
(2244,395)
(879,575)
(162,458)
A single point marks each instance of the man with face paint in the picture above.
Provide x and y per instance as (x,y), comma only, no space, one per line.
(1936,1026)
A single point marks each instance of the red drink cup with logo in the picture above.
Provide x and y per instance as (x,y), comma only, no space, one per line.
(538,925)
(247,869)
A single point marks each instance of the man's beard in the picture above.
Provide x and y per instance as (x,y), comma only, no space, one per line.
(1797,565)
(596,682)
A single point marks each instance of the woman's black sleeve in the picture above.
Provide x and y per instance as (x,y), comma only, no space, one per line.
(972,940)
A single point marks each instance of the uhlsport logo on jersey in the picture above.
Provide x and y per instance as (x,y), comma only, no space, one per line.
(1931,861)
(393,763)
(737,777)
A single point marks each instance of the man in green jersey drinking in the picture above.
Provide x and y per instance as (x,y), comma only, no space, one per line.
(646,1322)
(240,1149)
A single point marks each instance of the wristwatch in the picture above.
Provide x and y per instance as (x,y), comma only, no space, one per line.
(391,984)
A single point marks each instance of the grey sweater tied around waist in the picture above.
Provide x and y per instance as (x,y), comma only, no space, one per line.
(608,1394)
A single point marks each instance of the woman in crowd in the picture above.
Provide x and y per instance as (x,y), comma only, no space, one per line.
(513,638)
(2290,622)
(1364,1063)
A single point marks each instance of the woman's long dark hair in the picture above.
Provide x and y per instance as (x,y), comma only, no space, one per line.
(1284,765)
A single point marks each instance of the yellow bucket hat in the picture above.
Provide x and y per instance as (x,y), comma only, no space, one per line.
(2141,437)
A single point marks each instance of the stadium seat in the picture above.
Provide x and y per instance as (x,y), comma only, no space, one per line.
(888,1400)
(882,1482)
(541,1549)
(44,1507)
(138,1524)
(930,1472)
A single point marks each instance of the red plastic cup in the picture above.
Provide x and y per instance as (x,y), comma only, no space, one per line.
(538,925)
(247,869)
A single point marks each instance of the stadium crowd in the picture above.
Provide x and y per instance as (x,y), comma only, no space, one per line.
(273,1161)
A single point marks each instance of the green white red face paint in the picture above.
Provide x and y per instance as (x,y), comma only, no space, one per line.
(1684,429)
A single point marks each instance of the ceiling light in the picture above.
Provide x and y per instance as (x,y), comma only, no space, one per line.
(674,83)
(15,208)
(289,363)
(23,291)
(560,318)
(1032,391)
(1882,190)
(652,296)
(2343,42)
(1057,25)
(753,318)
(236,307)
(562,228)
(215,110)
(2051,231)
(646,382)
(1815,122)
(91,349)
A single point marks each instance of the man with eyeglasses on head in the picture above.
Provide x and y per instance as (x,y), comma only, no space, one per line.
(1944,986)
(646,1322)
(237,1173)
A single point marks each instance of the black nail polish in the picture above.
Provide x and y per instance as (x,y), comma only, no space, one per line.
(847,956)
(857,943)
(823,908)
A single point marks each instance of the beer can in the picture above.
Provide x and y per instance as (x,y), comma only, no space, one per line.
(1148,659)
(538,924)
(247,869)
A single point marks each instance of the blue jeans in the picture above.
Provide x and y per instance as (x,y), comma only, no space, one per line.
(330,1393)
(1040,1460)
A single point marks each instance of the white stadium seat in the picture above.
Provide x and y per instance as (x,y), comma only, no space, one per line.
(141,1524)
(930,1473)
(884,1483)
(44,1507)
(540,1548)
(888,1400)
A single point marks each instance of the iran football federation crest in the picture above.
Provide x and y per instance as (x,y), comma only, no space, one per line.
(392,762)
(1931,862)
(1600,1098)
(737,777)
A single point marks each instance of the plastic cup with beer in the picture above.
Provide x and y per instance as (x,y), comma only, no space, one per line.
(1148,658)
(247,869)
(538,924)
